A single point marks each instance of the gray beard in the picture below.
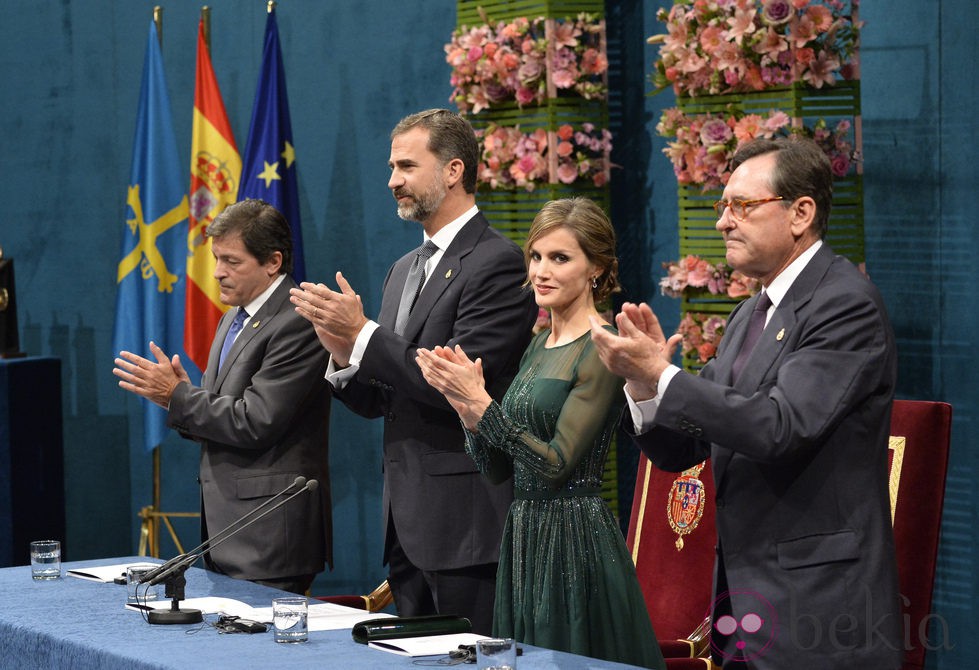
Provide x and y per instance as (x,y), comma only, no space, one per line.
(421,208)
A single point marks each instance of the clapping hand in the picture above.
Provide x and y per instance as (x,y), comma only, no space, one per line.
(640,352)
(459,379)
(337,316)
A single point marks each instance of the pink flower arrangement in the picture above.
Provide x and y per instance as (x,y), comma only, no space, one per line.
(510,61)
(693,274)
(702,334)
(836,143)
(512,159)
(714,47)
(701,146)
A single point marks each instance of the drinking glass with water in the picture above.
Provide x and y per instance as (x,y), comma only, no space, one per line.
(289,617)
(45,559)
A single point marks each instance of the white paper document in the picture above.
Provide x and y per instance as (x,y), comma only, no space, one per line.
(322,615)
(105,573)
(429,645)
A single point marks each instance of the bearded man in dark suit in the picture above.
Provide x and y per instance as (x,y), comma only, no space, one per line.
(443,520)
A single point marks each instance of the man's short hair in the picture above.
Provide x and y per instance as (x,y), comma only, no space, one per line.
(263,230)
(801,169)
(449,136)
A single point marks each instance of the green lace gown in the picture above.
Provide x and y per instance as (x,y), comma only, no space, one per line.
(566,580)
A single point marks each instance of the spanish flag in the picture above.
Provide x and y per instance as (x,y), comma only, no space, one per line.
(215,168)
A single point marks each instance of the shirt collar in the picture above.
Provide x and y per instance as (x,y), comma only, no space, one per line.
(256,304)
(783,282)
(443,238)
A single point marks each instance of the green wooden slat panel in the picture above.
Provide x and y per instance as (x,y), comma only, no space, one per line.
(797,101)
(468,14)
(551,114)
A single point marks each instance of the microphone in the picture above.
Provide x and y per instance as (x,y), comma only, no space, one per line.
(172,570)
(166,567)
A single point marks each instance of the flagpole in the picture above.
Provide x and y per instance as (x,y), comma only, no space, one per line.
(206,20)
(158,20)
(154,524)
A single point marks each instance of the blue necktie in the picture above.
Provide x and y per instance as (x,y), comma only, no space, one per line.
(229,339)
(413,284)
(756,325)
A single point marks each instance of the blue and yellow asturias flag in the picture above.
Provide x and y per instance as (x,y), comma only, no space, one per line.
(269,165)
(149,302)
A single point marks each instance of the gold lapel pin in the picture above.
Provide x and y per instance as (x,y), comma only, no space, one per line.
(448,274)
(255,324)
(780,335)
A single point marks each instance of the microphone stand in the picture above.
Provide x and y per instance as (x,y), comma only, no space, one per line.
(172,572)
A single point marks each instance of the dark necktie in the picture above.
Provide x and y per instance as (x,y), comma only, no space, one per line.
(756,325)
(229,339)
(413,284)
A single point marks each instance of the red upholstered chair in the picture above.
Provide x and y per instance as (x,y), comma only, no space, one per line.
(677,580)
(672,538)
(919,445)
(375,601)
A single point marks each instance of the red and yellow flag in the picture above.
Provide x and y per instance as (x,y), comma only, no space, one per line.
(215,169)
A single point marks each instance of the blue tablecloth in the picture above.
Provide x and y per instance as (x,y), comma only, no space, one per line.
(75,623)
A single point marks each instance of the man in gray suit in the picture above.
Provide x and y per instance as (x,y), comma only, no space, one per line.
(261,412)
(443,519)
(796,428)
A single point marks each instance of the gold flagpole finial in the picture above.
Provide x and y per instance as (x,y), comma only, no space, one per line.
(206,18)
(158,20)
(271,7)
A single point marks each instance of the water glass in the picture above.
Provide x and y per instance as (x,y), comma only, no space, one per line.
(289,619)
(136,592)
(46,559)
(496,654)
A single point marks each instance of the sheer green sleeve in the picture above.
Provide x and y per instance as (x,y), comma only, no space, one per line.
(571,398)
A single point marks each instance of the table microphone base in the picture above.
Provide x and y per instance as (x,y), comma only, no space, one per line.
(175,616)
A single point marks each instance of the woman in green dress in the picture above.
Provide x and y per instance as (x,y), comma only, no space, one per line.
(565,580)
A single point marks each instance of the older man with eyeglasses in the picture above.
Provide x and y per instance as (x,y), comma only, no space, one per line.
(794,413)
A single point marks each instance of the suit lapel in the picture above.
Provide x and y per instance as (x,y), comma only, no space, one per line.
(447,270)
(776,336)
(255,324)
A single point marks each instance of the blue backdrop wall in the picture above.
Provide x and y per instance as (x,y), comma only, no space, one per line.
(70,73)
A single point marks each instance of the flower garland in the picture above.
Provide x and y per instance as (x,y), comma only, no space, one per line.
(691,276)
(702,335)
(492,64)
(701,146)
(715,47)
(513,159)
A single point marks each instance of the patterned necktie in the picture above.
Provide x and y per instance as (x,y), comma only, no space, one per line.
(755,326)
(413,284)
(229,339)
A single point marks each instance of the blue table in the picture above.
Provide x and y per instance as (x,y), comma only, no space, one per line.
(80,624)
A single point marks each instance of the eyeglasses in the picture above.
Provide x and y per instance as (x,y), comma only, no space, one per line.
(739,208)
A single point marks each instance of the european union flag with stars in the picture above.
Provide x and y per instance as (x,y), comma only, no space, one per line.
(269,166)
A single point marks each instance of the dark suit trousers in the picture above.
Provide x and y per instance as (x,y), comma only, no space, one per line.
(468,592)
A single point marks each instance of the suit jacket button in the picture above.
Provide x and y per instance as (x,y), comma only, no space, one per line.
(390,416)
